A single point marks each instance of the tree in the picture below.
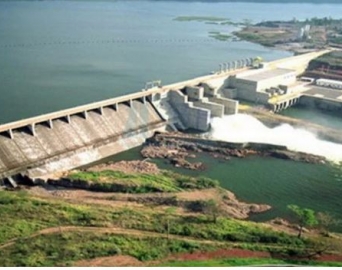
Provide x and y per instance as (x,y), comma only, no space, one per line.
(326,220)
(305,217)
(247,23)
(211,207)
(168,216)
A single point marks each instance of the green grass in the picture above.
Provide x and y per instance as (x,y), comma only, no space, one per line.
(224,229)
(257,38)
(219,36)
(22,215)
(63,249)
(142,183)
(245,262)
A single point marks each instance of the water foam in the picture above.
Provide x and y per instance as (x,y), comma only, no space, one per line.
(246,128)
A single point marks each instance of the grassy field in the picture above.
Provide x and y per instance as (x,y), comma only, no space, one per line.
(22,215)
(49,231)
(141,183)
(65,248)
(244,262)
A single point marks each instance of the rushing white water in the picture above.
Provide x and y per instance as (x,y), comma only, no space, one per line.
(246,128)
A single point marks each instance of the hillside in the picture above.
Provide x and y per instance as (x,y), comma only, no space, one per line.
(160,219)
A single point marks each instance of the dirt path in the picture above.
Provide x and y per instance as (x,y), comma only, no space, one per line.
(125,260)
(112,230)
(116,260)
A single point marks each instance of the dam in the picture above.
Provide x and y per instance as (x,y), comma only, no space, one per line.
(41,146)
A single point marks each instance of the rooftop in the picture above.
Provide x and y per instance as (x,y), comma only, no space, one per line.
(265,74)
(323,92)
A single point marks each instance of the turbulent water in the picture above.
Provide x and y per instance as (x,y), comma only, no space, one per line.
(246,128)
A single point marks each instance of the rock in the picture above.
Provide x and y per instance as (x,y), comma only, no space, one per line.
(258,208)
(278,154)
(182,163)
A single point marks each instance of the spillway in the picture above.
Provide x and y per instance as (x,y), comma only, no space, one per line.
(66,143)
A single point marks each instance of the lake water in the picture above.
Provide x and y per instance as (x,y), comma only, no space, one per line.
(58,54)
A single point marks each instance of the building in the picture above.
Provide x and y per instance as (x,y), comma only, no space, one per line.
(259,85)
(329,83)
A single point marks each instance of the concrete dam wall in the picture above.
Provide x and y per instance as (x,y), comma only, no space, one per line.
(75,140)
(41,146)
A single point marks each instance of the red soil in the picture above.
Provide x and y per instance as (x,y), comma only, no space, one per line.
(221,253)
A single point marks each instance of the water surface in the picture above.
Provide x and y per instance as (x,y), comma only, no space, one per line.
(58,54)
(320,117)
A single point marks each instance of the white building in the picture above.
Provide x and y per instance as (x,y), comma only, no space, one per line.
(260,85)
(329,83)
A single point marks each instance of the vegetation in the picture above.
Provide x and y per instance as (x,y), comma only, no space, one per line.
(62,249)
(325,21)
(305,217)
(219,36)
(54,231)
(263,39)
(322,32)
(332,59)
(22,215)
(244,262)
(141,183)
(325,221)
(212,208)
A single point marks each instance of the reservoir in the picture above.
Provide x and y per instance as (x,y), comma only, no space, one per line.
(58,54)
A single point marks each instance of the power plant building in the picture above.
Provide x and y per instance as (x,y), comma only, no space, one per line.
(260,85)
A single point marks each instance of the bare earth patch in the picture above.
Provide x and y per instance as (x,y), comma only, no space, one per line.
(117,260)
(136,166)
(221,253)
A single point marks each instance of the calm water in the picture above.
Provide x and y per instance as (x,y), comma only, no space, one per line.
(57,54)
(268,180)
(319,117)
